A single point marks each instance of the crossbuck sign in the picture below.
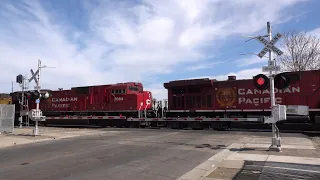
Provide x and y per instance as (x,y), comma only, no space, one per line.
(269,45)
(34,76)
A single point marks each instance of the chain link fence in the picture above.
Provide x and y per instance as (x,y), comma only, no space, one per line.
(7,112)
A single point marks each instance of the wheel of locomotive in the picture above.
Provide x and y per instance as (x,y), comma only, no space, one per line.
(173,125)
(196,126)
(154,125)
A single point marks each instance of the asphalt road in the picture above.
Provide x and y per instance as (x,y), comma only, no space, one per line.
(133,154)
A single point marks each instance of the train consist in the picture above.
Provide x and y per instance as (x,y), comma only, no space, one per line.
(5,98)
(195,103)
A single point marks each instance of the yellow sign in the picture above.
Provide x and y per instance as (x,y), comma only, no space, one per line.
(226,97)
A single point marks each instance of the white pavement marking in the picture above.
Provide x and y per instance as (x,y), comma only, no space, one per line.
(294,159)
(232,159)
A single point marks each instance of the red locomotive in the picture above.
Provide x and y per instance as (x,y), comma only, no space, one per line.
(241,98)
(114,101)
(195,103)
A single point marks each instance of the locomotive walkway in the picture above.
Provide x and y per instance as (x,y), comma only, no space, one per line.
(158,154)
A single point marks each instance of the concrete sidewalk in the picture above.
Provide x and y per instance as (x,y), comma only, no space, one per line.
(250,159)
(25,135)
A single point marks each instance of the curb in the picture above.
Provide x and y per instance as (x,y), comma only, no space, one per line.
(203,170)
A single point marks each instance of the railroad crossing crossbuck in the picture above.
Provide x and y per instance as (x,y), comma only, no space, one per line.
(269,45)
(34,76)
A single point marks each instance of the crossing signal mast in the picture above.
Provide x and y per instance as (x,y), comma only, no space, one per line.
(21,80)
(280,81)
(36,114)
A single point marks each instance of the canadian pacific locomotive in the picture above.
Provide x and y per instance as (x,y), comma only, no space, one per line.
(196,103)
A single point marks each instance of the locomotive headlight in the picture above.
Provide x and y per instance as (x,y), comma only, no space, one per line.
(46,95)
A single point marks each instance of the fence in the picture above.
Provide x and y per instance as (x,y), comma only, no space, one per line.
(7,112)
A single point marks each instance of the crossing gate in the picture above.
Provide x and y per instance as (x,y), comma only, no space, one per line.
(7,112)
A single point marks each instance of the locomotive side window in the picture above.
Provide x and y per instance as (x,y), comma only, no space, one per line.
(190,101)
(118,91)
(209,104)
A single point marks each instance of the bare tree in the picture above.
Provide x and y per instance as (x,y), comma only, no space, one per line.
(301,52)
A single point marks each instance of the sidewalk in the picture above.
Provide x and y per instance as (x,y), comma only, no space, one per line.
(25,135)
(250,159)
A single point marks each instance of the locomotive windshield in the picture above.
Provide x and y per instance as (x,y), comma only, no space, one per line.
(133,88)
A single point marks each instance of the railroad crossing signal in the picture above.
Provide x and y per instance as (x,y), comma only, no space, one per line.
(33,77)
(282,81)
(19,79)
(261,82)
(269,45)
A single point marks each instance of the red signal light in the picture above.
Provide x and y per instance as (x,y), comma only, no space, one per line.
(260,81)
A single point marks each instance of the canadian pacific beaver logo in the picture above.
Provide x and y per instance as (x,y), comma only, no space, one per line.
(226,97)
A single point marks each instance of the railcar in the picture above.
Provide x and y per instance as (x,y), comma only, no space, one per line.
(5,98)
(103,104)
(195,103)
(240,100)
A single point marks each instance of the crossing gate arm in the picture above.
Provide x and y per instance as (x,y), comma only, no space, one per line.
(87,117)
(199,119)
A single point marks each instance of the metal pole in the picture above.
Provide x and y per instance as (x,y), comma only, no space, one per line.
(22,102)
(275,134)
(36,132)
(272,95)
(38,84)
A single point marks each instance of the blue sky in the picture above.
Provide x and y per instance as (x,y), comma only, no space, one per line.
(151,41)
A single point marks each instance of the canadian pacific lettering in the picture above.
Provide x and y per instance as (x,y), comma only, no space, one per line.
(243,93)
(60,105)
(65,99)
(244,100)
(63,102)
(256,91)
